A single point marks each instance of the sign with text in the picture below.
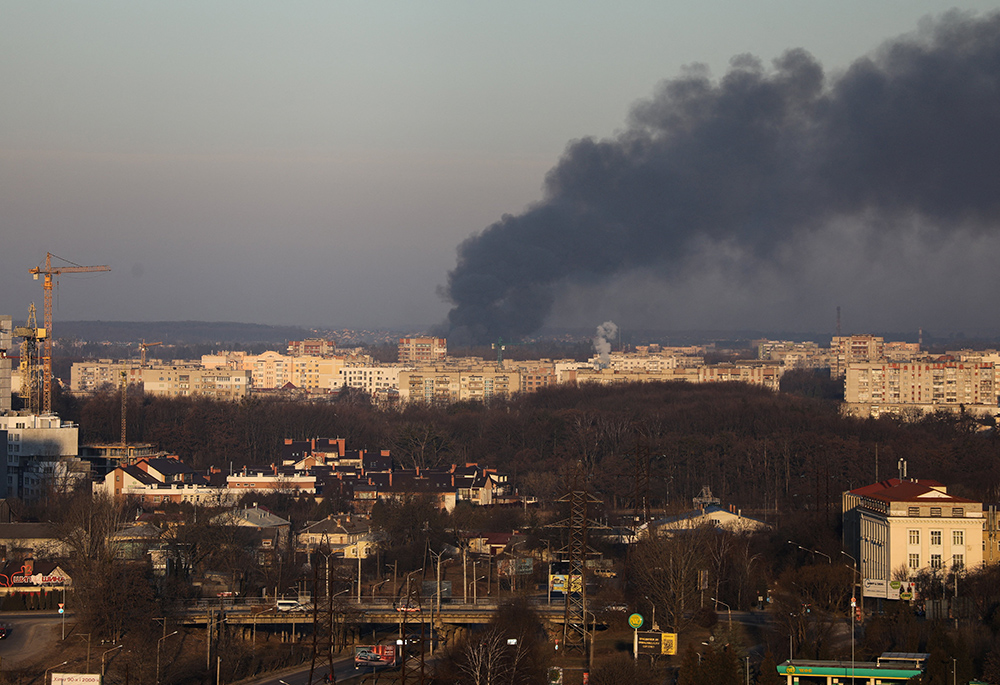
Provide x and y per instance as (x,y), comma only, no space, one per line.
(76,679)
(873,587)
(374,655)
(655,643)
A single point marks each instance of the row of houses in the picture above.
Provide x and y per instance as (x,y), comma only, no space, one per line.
(321,467)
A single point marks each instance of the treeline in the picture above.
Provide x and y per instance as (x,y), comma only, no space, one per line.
(756,449)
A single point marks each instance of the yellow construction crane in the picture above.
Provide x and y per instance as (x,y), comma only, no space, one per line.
(48,271)
(31,335)
(142,351)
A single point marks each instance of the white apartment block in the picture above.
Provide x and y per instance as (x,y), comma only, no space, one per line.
(375,380)
(35,447)
(874,388)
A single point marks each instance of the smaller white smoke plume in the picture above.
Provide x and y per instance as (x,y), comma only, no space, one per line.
(606,333)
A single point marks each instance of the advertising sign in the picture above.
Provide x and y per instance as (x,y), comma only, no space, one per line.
(668,643)
(374,655)
(76,679)
(900,589)
(873,587)
(654,643)
(515,567)
(650,643)
(557,583)
(635,621)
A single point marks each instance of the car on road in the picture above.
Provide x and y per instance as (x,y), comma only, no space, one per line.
(4,630)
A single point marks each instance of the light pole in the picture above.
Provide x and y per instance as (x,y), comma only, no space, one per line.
(850,615)
(45,677)
(158,643)
(104,655)
(728,608)
(813,551)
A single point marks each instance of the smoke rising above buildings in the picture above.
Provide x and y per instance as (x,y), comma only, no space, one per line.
(907,136)
(606,333)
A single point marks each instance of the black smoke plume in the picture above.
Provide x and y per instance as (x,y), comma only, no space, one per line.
(752,160)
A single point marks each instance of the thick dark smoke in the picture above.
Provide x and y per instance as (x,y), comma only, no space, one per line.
(752,160)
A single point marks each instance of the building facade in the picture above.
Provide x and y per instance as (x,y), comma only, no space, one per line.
(422,350)
(897,528)
(873,388)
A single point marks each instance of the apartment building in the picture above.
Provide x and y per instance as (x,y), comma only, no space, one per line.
(898,527)
(374,380)
(176,381)
(443,385)
(6,348)
(39,450)
(849,349)
(313,347)
(91,376)
(422,350)
(874,388)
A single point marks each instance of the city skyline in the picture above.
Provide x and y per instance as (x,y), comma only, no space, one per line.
(318,165)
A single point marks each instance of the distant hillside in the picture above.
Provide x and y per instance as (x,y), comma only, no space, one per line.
(179,332)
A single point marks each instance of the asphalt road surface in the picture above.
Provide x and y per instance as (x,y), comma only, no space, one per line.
(32,635)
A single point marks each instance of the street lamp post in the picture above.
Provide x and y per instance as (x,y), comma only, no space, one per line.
(850,615)
(158,643)
(728,608)
(104,655)
(46,676)
(812,551)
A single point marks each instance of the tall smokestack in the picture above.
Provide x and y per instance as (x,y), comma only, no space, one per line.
(747,165)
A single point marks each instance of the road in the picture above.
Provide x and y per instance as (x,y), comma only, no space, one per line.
(32,636)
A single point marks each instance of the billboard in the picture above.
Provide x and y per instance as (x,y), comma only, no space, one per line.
(892,589)
(374,655)
(873,587)
(515,567)
(558,581)
(76,679)
(654,643)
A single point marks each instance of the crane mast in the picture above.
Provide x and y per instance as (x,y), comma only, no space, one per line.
(48,272)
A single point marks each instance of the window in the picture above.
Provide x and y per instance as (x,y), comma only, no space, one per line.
(935,561)
(958,538)
(958,512)
(914,537)
(914,561)
(935,537)
(913,511)
(936,511)
(958,561)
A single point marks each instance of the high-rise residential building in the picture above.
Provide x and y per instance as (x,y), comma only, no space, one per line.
(6,347)
(422,350)
(874,388)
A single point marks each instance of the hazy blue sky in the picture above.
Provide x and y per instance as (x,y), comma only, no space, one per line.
(317,163)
